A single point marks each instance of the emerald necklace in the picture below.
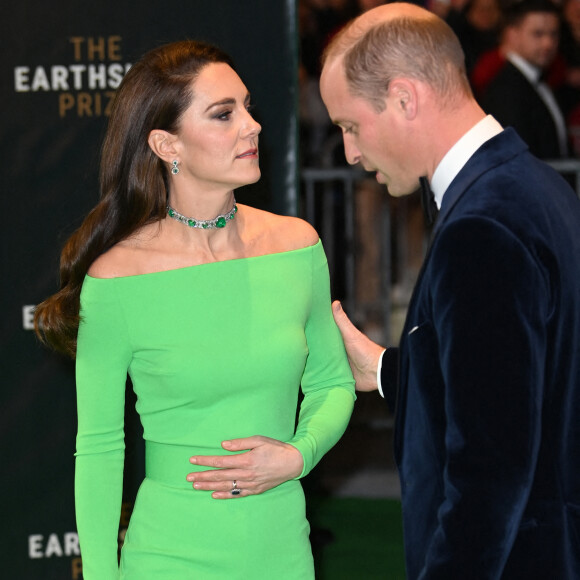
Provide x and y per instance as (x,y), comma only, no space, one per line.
(218,222)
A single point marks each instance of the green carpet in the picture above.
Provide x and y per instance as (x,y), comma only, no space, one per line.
(365,540)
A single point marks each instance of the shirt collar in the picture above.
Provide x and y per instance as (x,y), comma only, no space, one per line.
(454,160)
(531,72)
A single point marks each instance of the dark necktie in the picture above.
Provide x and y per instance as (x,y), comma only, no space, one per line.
(428,201)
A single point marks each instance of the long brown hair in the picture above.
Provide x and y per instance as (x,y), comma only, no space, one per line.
(154,94)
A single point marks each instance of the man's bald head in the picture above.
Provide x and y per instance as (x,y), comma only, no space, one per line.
(399,40)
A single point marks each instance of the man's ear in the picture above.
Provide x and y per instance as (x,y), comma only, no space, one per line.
(403,96)
(163,144)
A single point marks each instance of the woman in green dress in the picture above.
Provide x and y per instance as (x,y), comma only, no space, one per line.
(220,314)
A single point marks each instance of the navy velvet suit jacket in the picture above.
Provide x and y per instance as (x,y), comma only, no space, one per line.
(487,436)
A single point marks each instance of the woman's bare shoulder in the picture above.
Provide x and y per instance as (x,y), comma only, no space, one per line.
(114,263)
(283,233)
(127,257)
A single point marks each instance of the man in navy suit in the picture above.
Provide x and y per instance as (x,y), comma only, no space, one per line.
(487,373)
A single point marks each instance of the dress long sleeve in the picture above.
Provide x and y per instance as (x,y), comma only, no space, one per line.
(103,357)
(327,383)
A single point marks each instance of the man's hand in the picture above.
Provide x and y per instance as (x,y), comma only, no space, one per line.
(265,464)
(363,353)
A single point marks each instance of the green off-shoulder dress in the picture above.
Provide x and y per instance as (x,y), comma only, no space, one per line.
(215,352)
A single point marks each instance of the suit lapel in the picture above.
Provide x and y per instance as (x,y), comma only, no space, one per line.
(494,152)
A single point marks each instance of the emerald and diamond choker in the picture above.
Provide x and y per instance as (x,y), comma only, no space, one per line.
(218,222)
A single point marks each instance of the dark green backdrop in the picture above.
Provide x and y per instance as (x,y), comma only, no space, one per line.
(59,66)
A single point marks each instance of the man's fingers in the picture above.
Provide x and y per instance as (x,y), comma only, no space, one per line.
(363,353)
(348,330)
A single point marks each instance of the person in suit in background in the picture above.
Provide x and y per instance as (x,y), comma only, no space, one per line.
(518,96)
(569,91)
(476,25)
(487,373)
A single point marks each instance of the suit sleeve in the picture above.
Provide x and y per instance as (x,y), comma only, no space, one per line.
(491,303)
(327,382)
(103,356)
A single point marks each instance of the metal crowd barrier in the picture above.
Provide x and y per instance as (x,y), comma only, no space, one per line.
(329,204)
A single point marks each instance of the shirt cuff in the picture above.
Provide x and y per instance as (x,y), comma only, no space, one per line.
(379,369)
